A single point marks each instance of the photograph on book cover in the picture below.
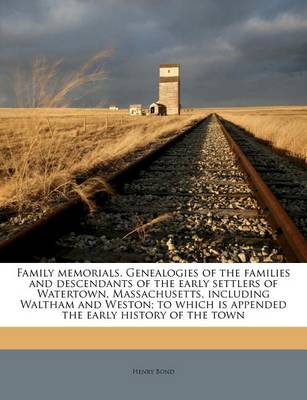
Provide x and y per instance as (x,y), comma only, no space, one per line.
(153,198)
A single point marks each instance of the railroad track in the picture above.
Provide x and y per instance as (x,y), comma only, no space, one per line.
(190,201)
(286,180)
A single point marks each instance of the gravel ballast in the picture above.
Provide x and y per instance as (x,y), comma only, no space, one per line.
(191,205)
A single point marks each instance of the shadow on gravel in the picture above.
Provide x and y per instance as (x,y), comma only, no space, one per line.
(213,216)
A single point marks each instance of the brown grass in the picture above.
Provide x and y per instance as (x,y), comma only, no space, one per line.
(143,227)
(43,147)
(46,86)
(41,155)
(285,128)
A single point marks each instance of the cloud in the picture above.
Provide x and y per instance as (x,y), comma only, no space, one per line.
(228,49)
(3,101)
(285,23)
(56,16)
(275,45)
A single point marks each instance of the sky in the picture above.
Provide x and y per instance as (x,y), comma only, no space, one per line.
(232,52)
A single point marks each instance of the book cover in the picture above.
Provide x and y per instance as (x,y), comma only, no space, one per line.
(153,198)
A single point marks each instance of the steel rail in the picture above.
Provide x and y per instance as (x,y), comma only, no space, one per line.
(286,232)
(22,246)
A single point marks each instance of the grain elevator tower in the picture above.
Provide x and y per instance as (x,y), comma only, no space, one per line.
(169,88)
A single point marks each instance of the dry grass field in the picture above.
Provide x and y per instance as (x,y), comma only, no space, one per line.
(46,145)
(285,128)
(43,150)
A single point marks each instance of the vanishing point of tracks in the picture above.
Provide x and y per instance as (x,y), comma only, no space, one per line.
(198,199)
